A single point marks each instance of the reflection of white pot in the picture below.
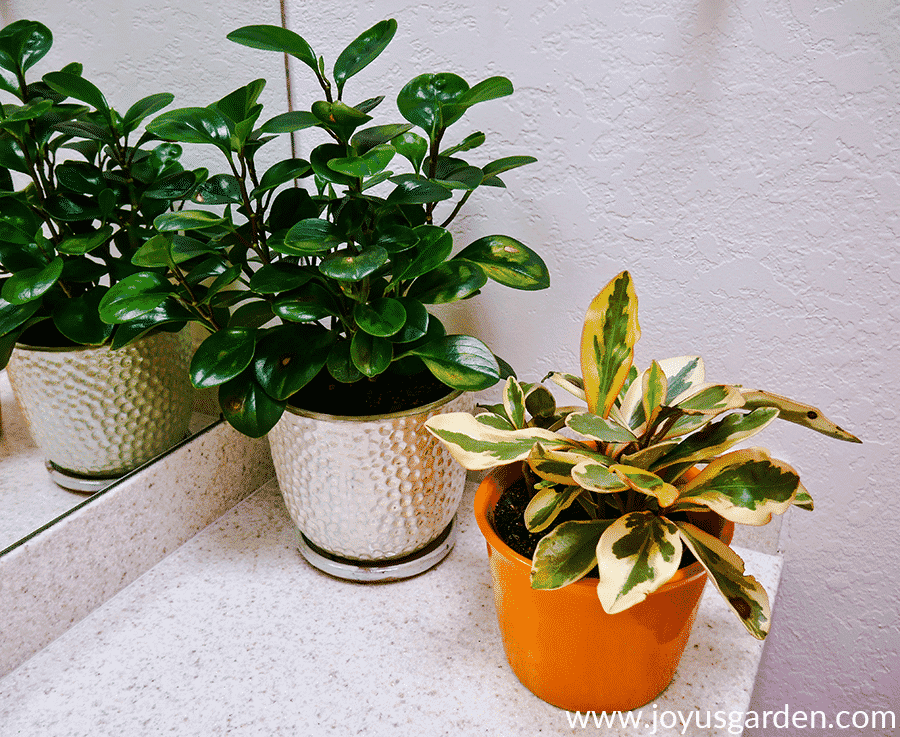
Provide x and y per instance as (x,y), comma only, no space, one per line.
(368,488)
(99,412)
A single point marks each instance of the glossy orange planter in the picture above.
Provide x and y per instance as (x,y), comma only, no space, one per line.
(561,644)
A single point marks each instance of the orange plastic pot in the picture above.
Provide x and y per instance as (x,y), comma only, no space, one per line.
(564,648)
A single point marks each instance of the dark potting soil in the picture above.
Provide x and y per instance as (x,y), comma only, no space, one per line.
(509,523)
(388,392)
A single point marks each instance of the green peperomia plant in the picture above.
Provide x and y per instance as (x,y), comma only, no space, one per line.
(293,282)
(87,200)
(624,459)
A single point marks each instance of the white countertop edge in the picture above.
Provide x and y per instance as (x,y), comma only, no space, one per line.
(235,634)
(56,577)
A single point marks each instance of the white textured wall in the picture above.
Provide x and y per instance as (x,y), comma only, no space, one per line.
(741,158)
(133,48)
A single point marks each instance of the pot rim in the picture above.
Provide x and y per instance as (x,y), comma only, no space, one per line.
(422,409)
(60,349)
(486,497)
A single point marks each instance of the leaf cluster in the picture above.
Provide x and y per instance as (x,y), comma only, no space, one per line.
(327,263)
(91,185)
(630,460)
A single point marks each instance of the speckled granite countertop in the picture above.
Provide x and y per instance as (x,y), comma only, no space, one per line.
(235,634)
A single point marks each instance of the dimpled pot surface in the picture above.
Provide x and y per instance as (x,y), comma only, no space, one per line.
(368,489)
(95,411)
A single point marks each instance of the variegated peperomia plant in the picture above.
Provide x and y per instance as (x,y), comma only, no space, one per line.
(623,460)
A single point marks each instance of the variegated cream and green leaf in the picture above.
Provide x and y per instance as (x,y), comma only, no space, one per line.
(620,466)
(636,555)
(478,446)
(607,343)
(546,505)
(743,593)
(567,553)
(745,486)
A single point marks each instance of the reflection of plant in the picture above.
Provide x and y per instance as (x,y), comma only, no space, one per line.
(76,224)
(347,272)
(625,464)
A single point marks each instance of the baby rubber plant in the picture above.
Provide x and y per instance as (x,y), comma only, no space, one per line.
(624,460)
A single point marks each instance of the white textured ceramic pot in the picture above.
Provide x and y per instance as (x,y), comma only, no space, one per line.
(96,412)
(369,489)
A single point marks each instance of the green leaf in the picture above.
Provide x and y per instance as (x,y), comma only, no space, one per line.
(473,140)
(279,277)
(596,476)
(310,302)
(509,262)
(599,428)
(241,105)
(423,99)
(714,439)
(567,554)
(247,407)
(546,504)
(540,402)
(607,343)
(23,44)
(289,122)
(281,173)
(412,147)
(380,317)
(433,247)
(745,486)
(133,297)
(340,363)
(710,399)
(746,597)
(460,361)
(74,85)
(339,117)
(219,189)
(448,282)
(25,286)
(186,220)
(416,324)
(555,466)
(367,139)
(347,265)
(319,158)
(637,554)
(310,236)
(655,387)
(79,319)
(506,164)
(646,482)
(222,356)
(370,163)
(478,446)
(32,110)
(12,316)
(397,238)
(289,356)
(514,403)
(275,38)
(371,354)
(801,414)
(172,187)
(802,499)
(193,125)
(145,107)
(411,190)
(362,51)
(154,253)
(170,313)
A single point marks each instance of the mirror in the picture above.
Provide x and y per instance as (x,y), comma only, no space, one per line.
(30,499)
